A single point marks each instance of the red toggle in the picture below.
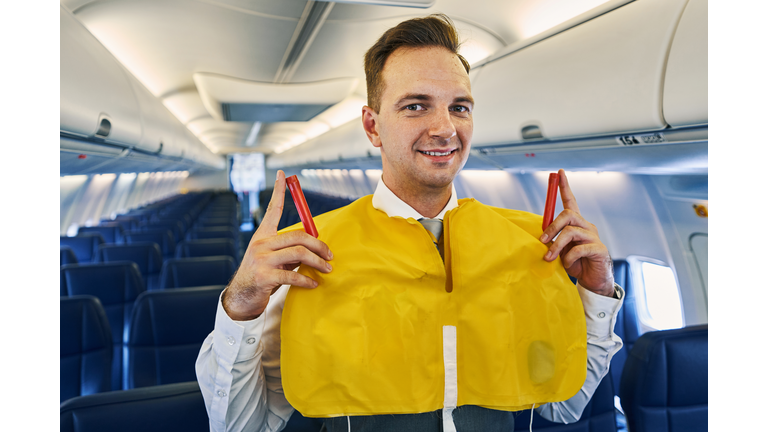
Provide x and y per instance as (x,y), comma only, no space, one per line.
(301,205)
(549,208)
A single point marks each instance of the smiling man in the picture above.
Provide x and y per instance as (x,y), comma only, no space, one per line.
(438,314)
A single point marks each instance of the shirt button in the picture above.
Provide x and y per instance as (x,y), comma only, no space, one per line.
(601,315)
(221,393)
(231,340)
(251,340)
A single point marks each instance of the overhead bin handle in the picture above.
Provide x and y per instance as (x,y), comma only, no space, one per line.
(531,132)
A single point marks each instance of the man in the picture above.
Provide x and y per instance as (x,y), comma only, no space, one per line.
(420,114)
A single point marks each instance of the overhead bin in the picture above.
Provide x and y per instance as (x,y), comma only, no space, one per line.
(603,76)
(685,85)
(102,103)
(94,87)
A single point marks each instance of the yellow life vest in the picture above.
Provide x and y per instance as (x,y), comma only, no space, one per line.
(369,339)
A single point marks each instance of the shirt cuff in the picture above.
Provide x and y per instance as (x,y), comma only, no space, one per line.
(600,311)
(236,341)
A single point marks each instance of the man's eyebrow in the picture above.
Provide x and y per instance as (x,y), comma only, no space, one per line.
(423,97)
(465,99)
(413,96)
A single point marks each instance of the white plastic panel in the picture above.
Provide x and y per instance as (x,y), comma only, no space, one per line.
(157,123)
(93,84)
(344,142)
(700,249)
(603,76)
(685,86)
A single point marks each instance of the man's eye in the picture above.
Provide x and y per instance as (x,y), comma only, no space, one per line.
(414,107)
(460,108)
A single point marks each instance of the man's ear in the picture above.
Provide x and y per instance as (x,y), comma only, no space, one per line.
(371,125)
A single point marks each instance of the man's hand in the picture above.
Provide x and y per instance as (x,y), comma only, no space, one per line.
(270,260)
(583,255)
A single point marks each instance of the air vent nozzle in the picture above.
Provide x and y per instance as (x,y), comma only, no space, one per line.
(531,132)
(104,127)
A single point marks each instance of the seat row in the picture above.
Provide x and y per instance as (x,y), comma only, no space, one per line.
(166,332)
(119,288)
(157,345)
(85,245)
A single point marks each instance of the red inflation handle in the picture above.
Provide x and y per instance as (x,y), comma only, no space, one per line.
(301,205)
(549,208)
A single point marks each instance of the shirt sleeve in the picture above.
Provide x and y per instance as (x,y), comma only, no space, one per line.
(602,343)
(238,370)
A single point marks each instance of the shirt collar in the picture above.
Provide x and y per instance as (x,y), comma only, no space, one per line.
(386,200)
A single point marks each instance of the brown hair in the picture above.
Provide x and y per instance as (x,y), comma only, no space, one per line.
(433,30)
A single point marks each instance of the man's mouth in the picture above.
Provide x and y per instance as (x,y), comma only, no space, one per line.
(437,153)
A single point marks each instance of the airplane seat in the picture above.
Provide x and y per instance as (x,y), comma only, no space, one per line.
(116,285)
(627,322)
(146,255)
(175,226)
(126,223)
(149,409)
(195,272)
(85,347)
(111,233)
(665,381)
(215,222)
(183,217)
(166,332)
(85,247)
(67,256)
(163,237)
(227,231)
(598,415)
(207,247)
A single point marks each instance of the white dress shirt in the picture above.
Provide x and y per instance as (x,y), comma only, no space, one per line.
(238,367)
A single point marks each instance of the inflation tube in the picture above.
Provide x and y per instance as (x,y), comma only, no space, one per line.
(549,208)
(301,205)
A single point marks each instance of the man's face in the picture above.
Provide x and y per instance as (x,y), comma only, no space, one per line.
(424,124)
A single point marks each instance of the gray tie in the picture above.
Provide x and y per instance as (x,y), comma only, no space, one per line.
(435,226)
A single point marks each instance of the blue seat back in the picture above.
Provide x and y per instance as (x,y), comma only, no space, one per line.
(173,407)
(85,247)
(176,227)
(598,415)
(207,247)
(194,272)
(212,232)
(627,322)
(111,233)
(664,385)
(85,347)
(146,255)
(67,256)
(162,236)
(116,285)
(167,330)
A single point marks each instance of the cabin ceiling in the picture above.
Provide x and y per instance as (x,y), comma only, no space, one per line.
(163,43)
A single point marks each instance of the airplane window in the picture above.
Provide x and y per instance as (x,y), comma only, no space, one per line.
(661,309)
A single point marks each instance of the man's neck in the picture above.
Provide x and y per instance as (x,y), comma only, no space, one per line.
(429,203)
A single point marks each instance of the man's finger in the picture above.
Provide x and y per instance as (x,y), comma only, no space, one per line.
(569,235)
(285,277)
(301,238)
(569,201)
(275,208)
(298,254)
(566,218)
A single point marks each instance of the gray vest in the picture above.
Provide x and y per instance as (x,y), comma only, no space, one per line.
(467,418)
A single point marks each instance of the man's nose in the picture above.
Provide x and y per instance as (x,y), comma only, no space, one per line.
(442,125)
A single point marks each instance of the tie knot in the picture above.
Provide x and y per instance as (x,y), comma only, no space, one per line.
(435,226)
